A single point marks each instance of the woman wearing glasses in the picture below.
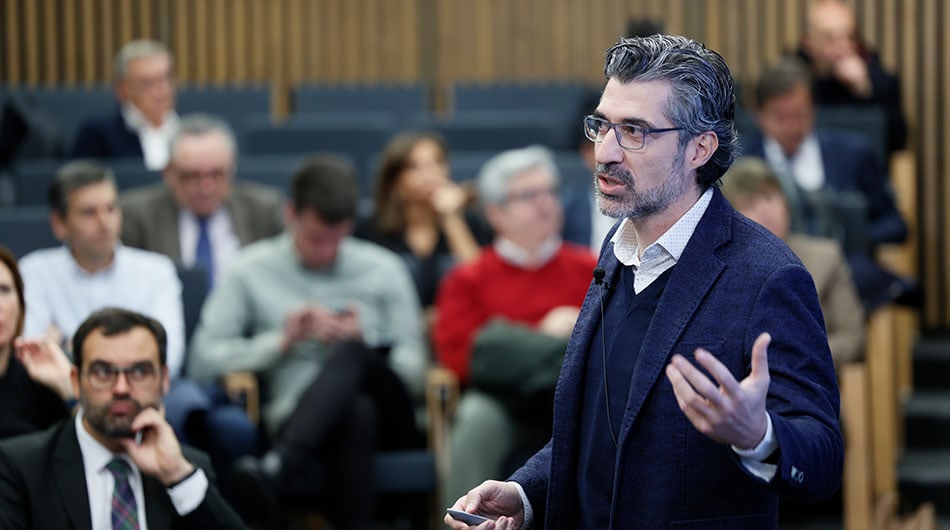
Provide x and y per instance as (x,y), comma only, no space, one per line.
(35,390)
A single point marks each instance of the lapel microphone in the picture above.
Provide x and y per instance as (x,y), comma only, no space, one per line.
(599,275)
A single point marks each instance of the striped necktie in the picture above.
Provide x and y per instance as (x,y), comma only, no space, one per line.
(124,513)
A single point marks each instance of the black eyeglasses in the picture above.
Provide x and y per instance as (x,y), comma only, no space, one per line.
(629,136)
(102,376)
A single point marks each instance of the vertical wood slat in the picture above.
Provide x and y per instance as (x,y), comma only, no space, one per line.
(107,47)
(31,35)
(51,47)
(14,66)
(217,42)
(182,49)
(934,98)
(199,42)
(126,31)
(930,151)
(88,42)
(69,48)
(238,40)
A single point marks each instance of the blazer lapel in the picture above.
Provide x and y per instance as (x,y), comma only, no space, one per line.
(167,229)
(70,478)
(693,276)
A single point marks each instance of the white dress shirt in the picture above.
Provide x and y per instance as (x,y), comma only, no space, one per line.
(185,496)
(155,140)
(806,165)
(225,243)
(60,294)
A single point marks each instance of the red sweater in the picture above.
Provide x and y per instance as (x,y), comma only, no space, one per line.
(488,288)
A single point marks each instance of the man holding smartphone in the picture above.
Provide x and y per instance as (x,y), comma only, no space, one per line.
(117,463)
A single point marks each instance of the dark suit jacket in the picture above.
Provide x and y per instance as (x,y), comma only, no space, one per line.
(43,485)
(850,166)
(733,281)
(150,216)
(577,214)
(107,137)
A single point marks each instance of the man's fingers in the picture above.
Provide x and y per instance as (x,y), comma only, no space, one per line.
(699,382)
(760,356)
(720,373)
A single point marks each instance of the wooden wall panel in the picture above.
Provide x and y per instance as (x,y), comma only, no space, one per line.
(440,42)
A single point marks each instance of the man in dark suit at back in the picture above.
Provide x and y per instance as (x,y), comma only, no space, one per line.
(117,463)
(200,215)
(145,118)
(817,167)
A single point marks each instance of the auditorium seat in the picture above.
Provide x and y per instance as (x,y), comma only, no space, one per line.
(231,103)
(25,229)
(32,178)
(870,122)
(54,114)
(354,137)
(393,99)
(496,131)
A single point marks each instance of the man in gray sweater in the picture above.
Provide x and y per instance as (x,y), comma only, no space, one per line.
(333,327)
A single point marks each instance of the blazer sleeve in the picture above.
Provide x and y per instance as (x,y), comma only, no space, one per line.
(213,512)
(534,477)
(803,396)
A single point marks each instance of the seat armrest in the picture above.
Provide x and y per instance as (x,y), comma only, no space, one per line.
(442,395)
(242,388)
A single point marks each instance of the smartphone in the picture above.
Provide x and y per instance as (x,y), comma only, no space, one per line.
(467,518)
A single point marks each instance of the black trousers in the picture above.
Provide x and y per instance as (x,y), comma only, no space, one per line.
(355,407)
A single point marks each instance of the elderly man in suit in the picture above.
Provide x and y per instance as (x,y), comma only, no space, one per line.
(200,215)
(145,118)
(117,463)
(697,387)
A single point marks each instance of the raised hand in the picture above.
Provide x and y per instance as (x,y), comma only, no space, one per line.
(732,412)
(46,363)
(159,453)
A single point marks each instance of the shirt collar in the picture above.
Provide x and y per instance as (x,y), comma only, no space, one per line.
(515,254)
(110,269)
(137,122)
(673,241)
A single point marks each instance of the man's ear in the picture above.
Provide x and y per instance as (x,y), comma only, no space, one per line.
(74,379)
(58,224)
(702,148)
(290,214)
(166,381)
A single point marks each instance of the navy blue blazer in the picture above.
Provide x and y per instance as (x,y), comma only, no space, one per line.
(850,165)
(734,280)
(106,137)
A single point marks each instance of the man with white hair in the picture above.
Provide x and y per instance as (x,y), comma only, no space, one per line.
(504,319)
(145,120)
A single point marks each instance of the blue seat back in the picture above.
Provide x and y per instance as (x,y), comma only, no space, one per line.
(23,230)
(232,103)
(395,99)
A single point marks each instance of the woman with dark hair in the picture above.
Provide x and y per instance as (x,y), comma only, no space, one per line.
(420,213)
(35,386)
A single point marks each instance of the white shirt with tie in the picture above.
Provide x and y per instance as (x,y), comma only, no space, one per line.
(185,496)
